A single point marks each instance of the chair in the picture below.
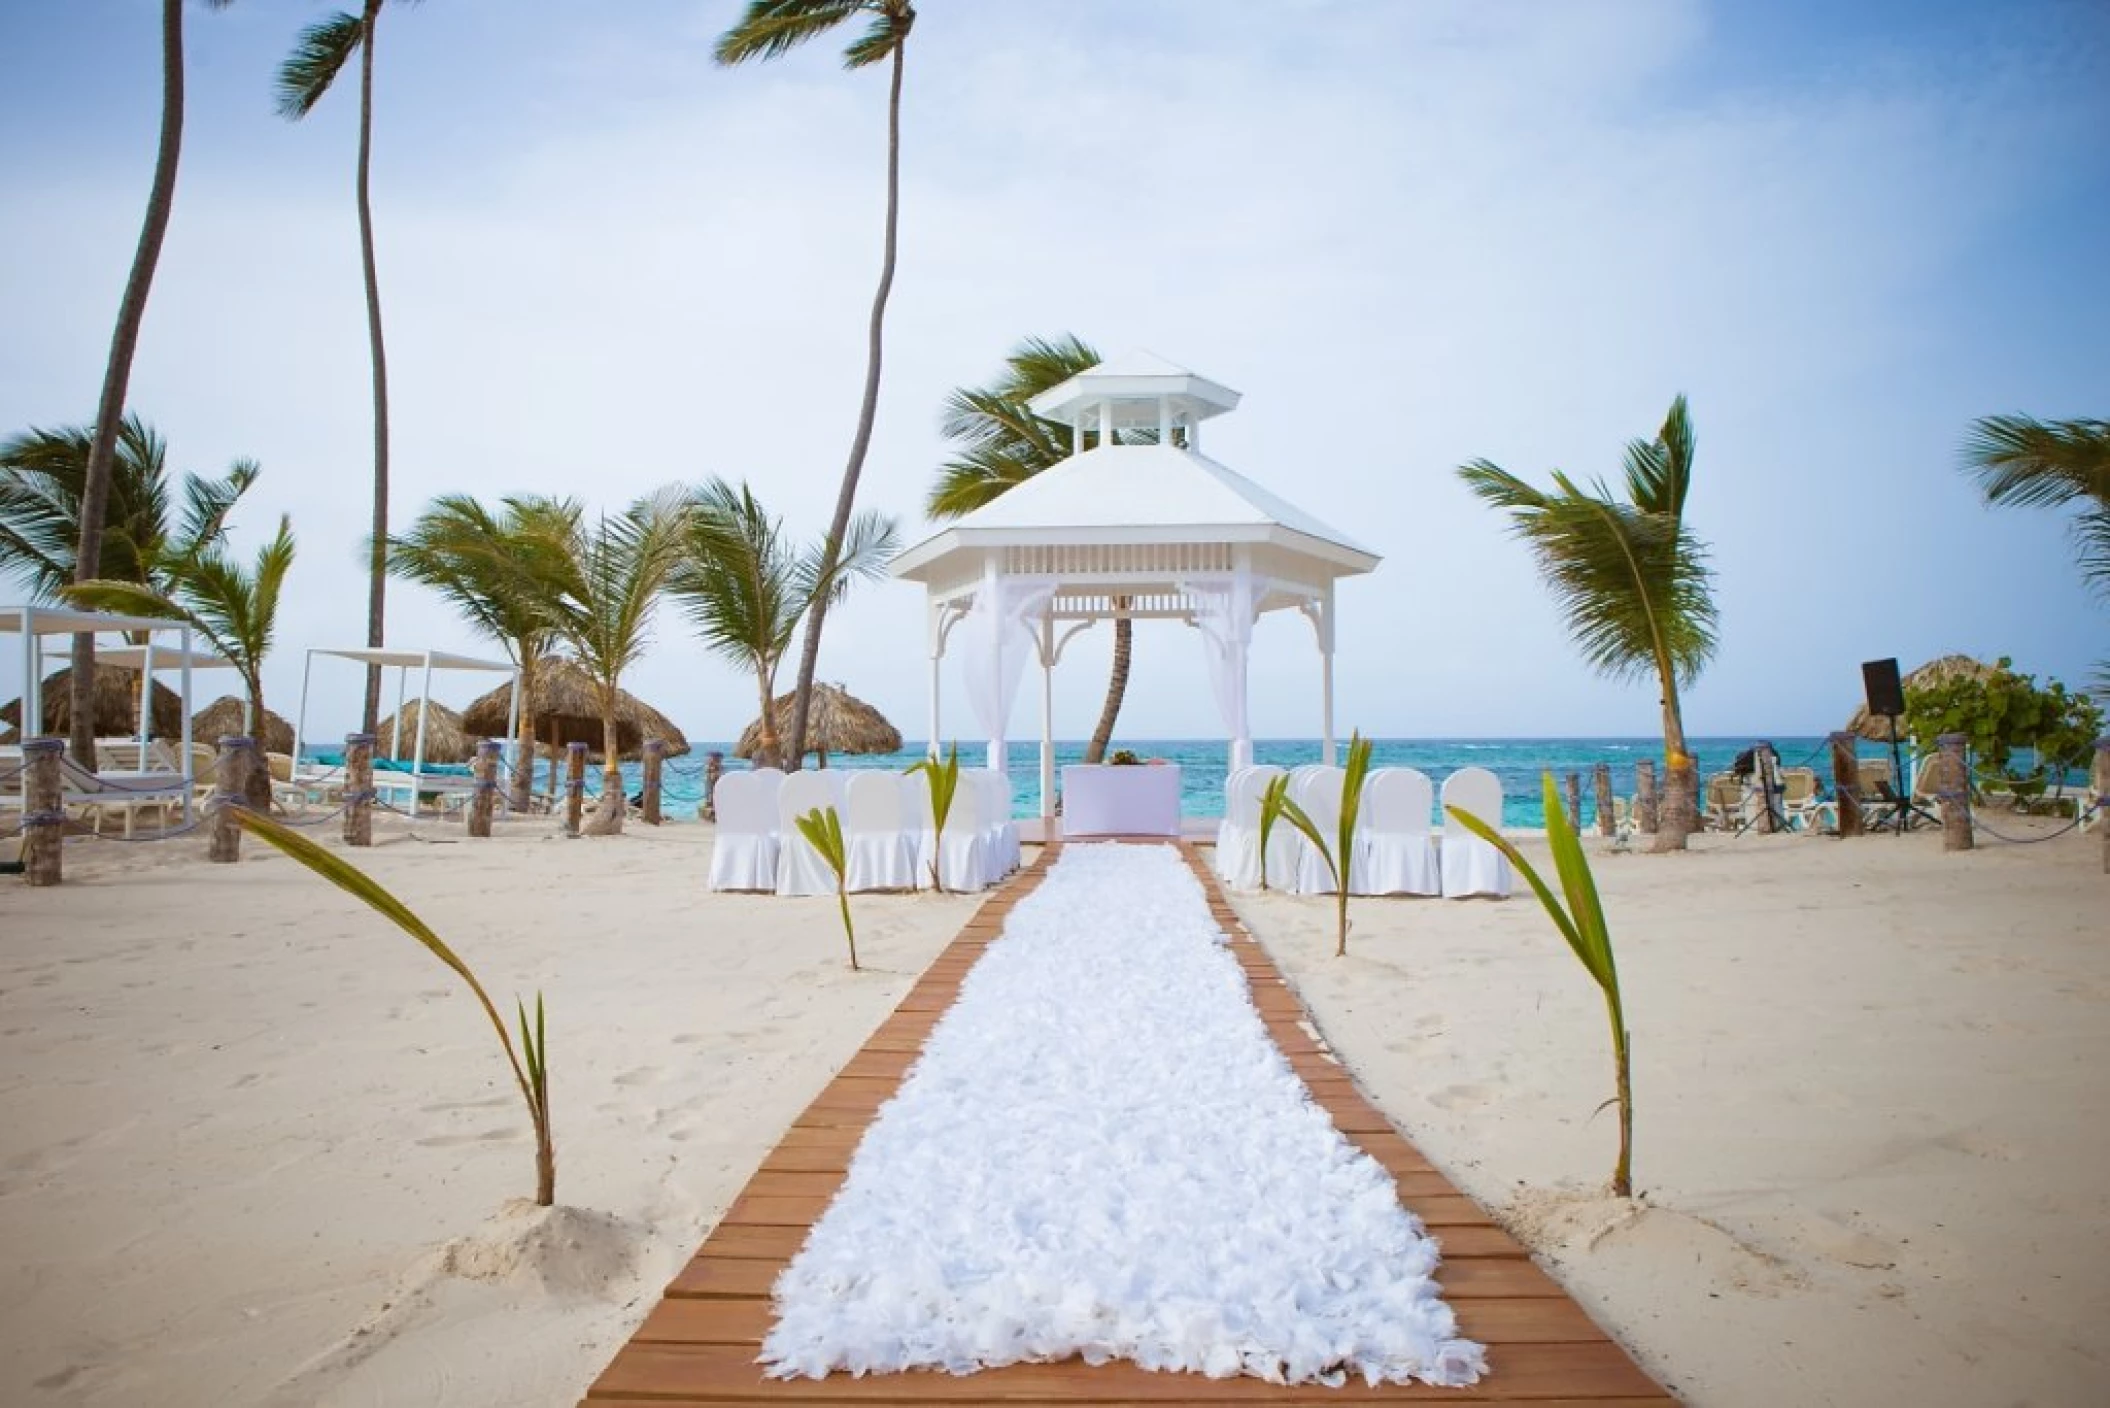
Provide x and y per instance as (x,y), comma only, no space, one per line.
(744,856)
(800,869)
(1472,866)
(964,850)
(127,792)
(1395,854)
(1723,808)
(999,831)
(1801,797)
(1238,838)
(1318,793)
(877,837)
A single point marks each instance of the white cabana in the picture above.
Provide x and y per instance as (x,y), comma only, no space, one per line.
(33,622)
(1149,531)
(405,661)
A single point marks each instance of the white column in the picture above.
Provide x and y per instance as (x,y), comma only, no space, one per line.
(1165,420)
(935,625)
(1047,717)
(1325,624)
(146,693)
(300,720)
(992,593)
(189,768)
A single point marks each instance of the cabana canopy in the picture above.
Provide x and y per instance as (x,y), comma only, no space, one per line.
(33,621)
(1154,531)
(405,661)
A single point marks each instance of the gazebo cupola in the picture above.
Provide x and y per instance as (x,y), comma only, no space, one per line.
(1141,397)
(1137,523)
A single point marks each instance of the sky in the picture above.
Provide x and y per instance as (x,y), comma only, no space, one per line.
(1411,234)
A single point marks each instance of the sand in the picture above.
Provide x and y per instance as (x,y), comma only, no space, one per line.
(1872,1092)
(257,1149)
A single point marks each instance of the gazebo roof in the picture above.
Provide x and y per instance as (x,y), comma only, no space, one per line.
(1136,495)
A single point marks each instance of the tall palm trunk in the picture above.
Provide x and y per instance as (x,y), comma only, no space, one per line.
(769,746)
(609,822)
(256,789)
(1678,813)
(846,497)
(1116,686)
(523,779)
(377,562)
(117,373)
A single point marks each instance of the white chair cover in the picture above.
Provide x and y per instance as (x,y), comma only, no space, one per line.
(1318,792)
(965,851)
(1470,865)
(744,852)
(1238,838)
(1395,854)
(800,869)
(1006,851)
(877,833)
(916,820)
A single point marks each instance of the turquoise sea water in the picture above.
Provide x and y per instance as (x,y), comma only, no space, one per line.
(1517,761)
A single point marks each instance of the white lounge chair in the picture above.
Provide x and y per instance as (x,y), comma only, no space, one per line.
(744,853)
(1395,851)
(800,869)
(1470,865)
(877,833)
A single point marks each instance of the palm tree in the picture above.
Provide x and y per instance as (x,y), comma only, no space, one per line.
(767,29)
(488,566)
(44,505)
(1004,445)
(1632,578)
(745,585)
(317,58)
(600,605)
(234,610)
(2048,464)
(117,371)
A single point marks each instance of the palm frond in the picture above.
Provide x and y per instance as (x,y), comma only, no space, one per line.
(886,34)
(1659,471)
(863,555)
(2029,463)
(207,502)
(2091,532)
(319,54)
(768,29)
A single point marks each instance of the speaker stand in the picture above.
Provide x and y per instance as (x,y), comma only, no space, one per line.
(1903,808)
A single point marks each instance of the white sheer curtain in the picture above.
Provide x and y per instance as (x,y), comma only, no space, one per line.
(997,642)
(1224,612)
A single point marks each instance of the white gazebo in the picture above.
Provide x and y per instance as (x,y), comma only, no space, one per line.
(1150,529)
(404,662)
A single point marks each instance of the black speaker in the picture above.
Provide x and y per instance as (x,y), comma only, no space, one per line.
(1886,694)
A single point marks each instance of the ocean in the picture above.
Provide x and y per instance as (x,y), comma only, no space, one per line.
(1518,762)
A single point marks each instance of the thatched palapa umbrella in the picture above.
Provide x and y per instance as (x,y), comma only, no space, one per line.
(564,710)
(116,705)
(223,718)
(445,742)
(838,722)
(1876,728)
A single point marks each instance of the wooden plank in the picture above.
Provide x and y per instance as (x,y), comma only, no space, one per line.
(724,1277)
(644,1372)
(757,1241)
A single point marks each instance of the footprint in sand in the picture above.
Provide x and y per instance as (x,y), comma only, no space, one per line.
(449,1141)
(640,1075)
(1453,1097)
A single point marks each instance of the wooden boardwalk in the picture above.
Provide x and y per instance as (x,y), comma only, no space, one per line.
(699,1345)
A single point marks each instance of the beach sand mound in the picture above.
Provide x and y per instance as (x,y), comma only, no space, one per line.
(560,1250)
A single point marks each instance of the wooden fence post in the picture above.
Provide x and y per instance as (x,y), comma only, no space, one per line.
(43,811)
(1953,788)
(484,800)
(1601,780)
(2102,797)
(1645,796)
(358,789)
(713,769)
(574,786)
(655,759)
(1764,764)
(1846,784)
(1575,802)
(230,790)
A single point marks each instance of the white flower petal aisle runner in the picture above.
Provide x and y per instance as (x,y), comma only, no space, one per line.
(1101,1153)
